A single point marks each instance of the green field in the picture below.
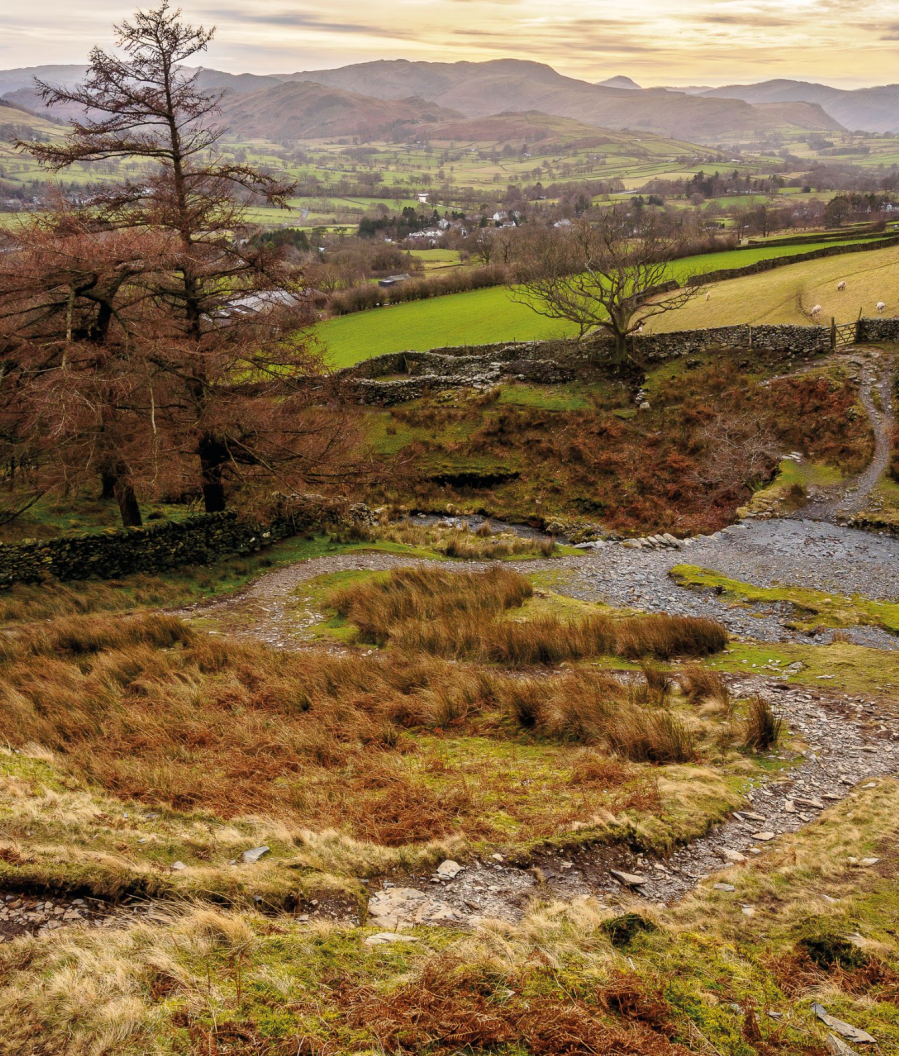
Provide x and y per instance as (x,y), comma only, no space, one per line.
(488,316)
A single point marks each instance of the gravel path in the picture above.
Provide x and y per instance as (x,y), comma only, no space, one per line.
(799,553)
(876,393)
(847,746)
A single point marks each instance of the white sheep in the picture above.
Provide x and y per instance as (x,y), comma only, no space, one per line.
(881,307)
(842,287)
(816,311)
(708,295)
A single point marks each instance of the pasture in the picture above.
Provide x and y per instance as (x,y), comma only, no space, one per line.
(774,296)
(487,316)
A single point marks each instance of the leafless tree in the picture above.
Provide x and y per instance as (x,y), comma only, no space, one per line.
(218,324)
(609,275)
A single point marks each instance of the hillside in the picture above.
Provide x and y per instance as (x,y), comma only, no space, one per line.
(301,109)
(480,89)
(530,126)
(869,109)
(811,116)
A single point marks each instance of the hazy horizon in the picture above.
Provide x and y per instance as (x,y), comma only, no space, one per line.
(846,43)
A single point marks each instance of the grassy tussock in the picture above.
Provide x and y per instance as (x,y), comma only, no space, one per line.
(762,728)
(484,544)
(155,713)
(456,615)
(425,595)
(594,708)
(702,685)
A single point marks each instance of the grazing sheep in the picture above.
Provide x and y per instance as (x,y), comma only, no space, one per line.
(816,311)
(708,295)
(881,307)
(842,287)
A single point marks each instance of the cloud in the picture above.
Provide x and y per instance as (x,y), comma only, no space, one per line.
(307,20)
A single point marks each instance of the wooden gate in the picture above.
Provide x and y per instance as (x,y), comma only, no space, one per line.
(843,335)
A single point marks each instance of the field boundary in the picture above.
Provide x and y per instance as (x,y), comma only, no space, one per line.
(197,540)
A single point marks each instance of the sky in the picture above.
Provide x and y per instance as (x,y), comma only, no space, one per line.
(849,43)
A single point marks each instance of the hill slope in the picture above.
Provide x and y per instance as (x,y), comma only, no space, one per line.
(870,109)
(301,109)
(479,89)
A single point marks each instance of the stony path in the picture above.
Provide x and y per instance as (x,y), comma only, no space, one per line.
(847,746)
(25,914)
(801,553)
(876,393)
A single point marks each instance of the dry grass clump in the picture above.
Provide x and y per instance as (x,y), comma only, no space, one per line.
(455,615)
(762,727)
(462,543)
(702,685)
(595,708)
(452,1006)
(426,594)
(151,711)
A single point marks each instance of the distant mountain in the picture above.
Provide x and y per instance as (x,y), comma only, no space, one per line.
(620,82)
(304,110)
(479,89)
(868,109)
(13,80)
(484,89)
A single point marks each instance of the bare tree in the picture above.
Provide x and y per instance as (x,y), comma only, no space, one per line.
(216,324)
(72,377)
(603,275)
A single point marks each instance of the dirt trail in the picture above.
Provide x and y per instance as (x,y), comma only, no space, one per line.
(876,395)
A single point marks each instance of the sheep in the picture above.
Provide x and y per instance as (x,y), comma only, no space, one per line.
(842,287)
(816,311)
(708,295)
(881,307)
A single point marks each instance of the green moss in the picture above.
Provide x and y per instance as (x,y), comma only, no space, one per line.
(839,666)
(812,608)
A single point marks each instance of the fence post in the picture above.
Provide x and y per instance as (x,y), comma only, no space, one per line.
(833,333)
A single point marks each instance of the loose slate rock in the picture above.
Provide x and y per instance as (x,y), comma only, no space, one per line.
(449,869)
(765,837)
(399,907)
(724,887)
(628,879)
(837,1047)
(856,1034)
(385,937)
(255,854)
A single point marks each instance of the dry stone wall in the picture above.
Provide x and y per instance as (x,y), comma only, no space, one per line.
(196,540)
(874,330)
(398,377)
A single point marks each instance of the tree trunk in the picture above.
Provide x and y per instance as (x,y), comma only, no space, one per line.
(107,484)
(213,459)
(128,506)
